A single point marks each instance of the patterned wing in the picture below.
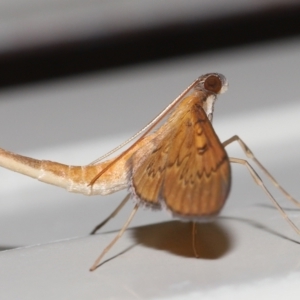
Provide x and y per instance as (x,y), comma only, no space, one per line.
(184,167)
(148,169)
(197,177)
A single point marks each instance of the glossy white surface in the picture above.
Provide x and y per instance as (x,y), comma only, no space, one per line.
(248,251)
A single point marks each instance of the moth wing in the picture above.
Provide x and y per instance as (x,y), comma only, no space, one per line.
(183,166)
(148,170)
(197,176)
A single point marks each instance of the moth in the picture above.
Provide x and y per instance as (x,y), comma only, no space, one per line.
(181,166)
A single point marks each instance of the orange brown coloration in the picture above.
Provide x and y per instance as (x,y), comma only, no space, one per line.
(182,167)
(73,178)
(185,165)
(182,164)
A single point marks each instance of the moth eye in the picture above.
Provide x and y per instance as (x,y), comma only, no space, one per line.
(213,84)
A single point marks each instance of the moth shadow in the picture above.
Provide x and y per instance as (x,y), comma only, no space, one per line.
(212,240)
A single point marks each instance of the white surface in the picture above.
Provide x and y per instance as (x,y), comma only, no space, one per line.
(250,250)
(31,23)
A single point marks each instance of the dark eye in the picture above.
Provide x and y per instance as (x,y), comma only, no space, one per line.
(213,84)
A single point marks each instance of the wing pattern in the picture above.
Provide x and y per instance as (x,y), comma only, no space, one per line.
(184,166)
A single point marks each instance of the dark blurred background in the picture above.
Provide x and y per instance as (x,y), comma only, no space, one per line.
(44,42)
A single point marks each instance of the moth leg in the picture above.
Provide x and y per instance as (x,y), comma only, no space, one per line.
(113,214)
(259,181)
(250,155)
(97,261)
(194,235)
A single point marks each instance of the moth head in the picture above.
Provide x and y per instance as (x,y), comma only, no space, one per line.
(211,85)
(215,83)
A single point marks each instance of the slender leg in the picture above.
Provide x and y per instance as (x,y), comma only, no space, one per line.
(96,263)
(259,181)
(113,214)
(194,234)
(250,155)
